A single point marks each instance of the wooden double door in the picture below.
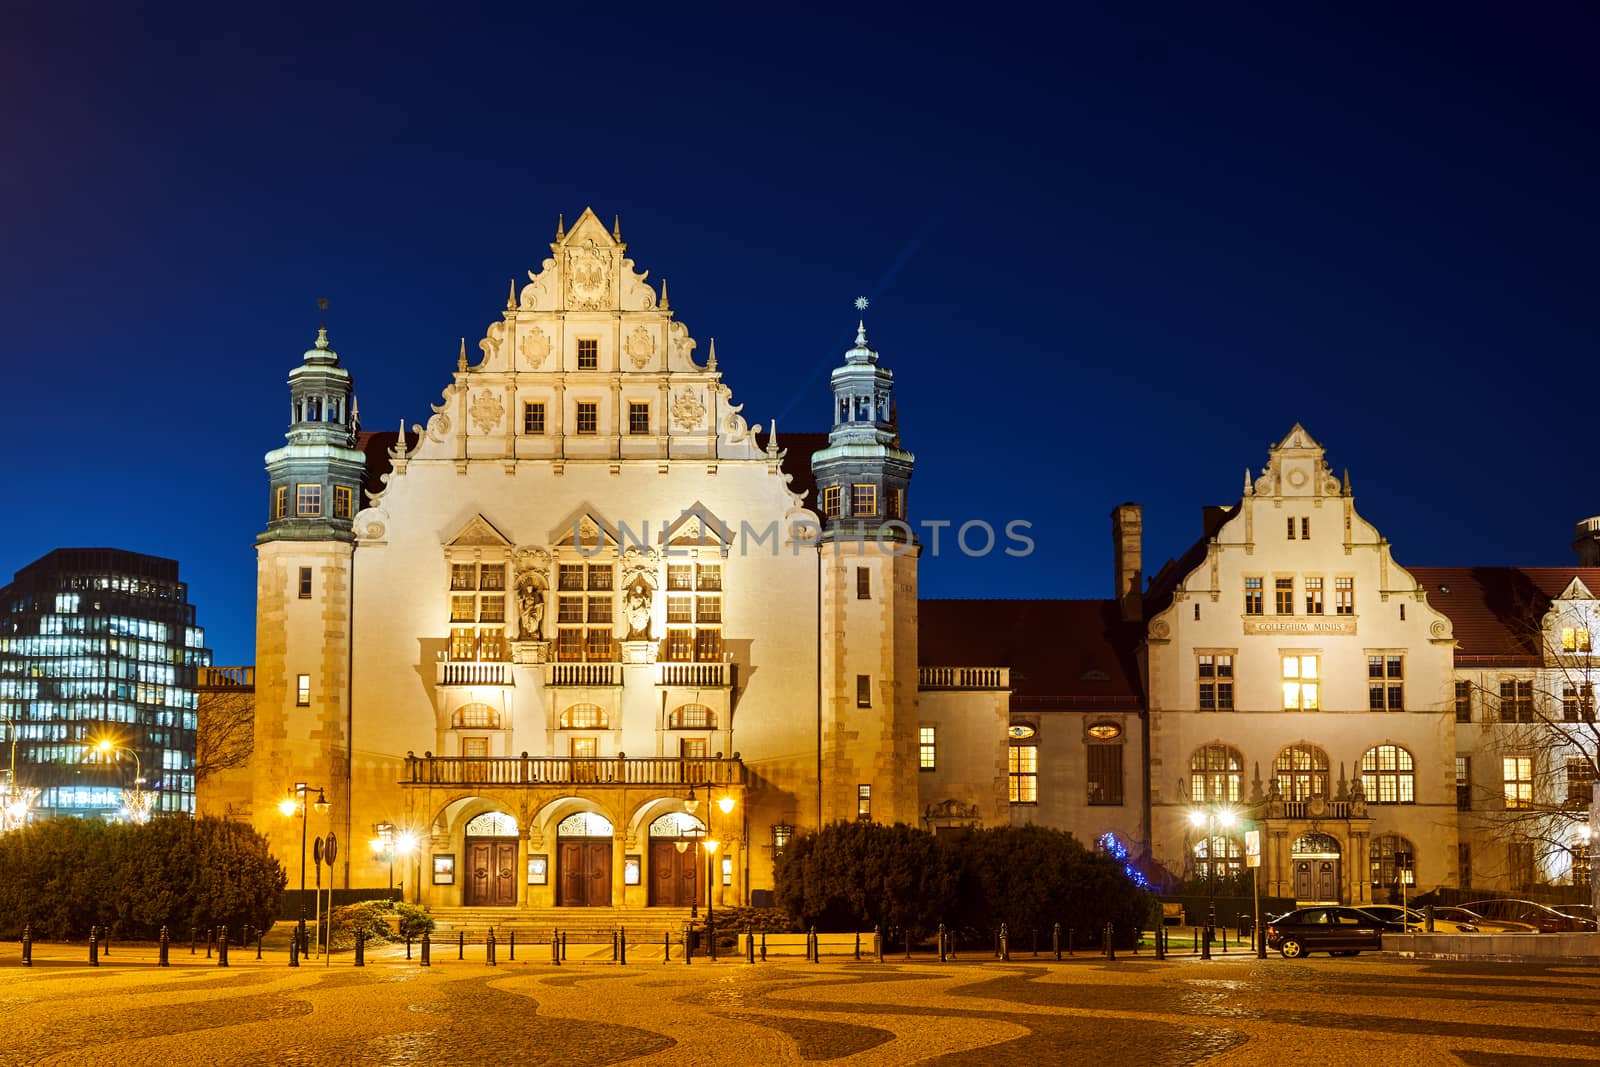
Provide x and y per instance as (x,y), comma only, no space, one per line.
(583,872)
(674,875)
(491,872)
(1316,879)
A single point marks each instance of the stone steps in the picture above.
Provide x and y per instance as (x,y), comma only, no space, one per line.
(594,925)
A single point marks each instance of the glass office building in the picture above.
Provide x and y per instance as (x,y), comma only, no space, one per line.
(100,645)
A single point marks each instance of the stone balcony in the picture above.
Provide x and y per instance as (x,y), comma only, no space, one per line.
(428,770)
(964,678)
(453,673)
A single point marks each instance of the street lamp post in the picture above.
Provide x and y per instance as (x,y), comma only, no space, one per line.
(383,845)
(15,800)
(140,802)
(1211,818)
(296,802)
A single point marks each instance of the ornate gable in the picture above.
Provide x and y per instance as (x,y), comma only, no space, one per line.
(478,533)
(1296,467)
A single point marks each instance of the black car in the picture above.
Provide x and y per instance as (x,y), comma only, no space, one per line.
(1334,930)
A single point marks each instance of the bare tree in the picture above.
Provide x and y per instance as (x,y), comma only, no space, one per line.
(225,732)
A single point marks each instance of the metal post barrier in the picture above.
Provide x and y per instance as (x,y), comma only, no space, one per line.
(513,946)
(1427,918)
(686,951)
(1035,940)
(245,939)
(666,947)
(711,937)
(461,944)
(811,942)
(361,947)
(488,948)
(908,942)
(194,939)
(427,949)
(408,947)
(105,941)
(858,946)
(622,945)
(816,946)
(877,943)
(161,949)
(211,939)
(1055,940)
(750,948)
(258,943)
(555,948)
(1260,939)
(613,946)
(563,946)
(94,946)
(1005,943)
(1161,940)
(27,945)
(763,946)
(942,956)
(1204,935)
(1069,941)
(1224,940)
(1111,942)
(222,946)
(294,952)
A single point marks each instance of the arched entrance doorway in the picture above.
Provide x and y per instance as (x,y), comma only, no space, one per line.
(1316,869)
(674,860)
(583,861)
(491,854)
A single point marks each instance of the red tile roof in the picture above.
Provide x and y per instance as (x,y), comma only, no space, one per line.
(1076,651)
(1496,611)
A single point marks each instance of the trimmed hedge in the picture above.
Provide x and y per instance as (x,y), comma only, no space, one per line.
(854,876)
(63,876)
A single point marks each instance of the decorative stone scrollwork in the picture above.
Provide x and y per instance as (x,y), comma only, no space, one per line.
(1160,629)
(640,346)
(534,346)
(687,410)
(487,410)
(439,426)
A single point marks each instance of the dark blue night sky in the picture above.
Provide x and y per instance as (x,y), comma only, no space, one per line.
(1110,257)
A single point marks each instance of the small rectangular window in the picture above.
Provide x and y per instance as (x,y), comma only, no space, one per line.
(727,870)
(927,749)
(1284,598)
(1574,639)
(463,576)
(588,417)
(1313,596)
(343,502)
(302,690)
(1463,783)
(1463,702)
(1253,603)
(305,583)
(863,690)
(830,502)
(863,499)
(1291,527)
(1216,681)
(1385,682)
(1344,596)
(1300,683)
(1516,700)
(638,417)
(1517,774)
(308,500)
(863,583)
(588,353)
(863,802)
(280,502)
(1305,528)
(1105,774)
(533,417)
(1024,774)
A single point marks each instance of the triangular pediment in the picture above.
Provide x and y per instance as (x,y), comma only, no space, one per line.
(1297,438)
(1576,590)
(584,526)
(585,229)
(479,533)
(697,525)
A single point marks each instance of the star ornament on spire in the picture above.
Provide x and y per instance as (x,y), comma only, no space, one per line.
(861,303)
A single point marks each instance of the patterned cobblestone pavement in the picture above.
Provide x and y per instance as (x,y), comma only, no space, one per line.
(1089,1010)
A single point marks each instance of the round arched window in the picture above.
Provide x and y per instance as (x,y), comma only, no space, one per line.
(676,824)
(492,824)
(692,717)
(584,717)
(476,717)
(584,824)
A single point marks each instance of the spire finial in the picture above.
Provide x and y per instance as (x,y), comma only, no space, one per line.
(772,440)
(561,227)
(666,305)
(355,409)
(861,324)
(511,300)
(401,442)
(461,360)
(322,329)
(711,360)
(1249,490)
(1347,481)
(616,228)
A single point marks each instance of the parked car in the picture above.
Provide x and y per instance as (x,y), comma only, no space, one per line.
(1584,912)
(1337,931)
(1416,922)
(1546,920)
(1480,923)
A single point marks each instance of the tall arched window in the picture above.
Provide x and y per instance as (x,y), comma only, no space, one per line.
(692,717)
(584,717)
(1229,853)
(476,717)
(1388,775)
(1384,870)
(1302,772)
(1216,775)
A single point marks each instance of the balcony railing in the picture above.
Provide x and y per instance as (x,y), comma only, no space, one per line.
(473,674)
(964,677)
(695,675)
(429,769)
(227,677)
(583,675)
(1301,809)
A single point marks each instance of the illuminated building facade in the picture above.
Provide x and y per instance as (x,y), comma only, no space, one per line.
(100,644)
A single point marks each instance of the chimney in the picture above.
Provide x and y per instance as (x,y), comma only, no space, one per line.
(1127,537)
(1587,542)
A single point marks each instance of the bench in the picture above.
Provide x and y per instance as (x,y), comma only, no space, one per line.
(1172,914)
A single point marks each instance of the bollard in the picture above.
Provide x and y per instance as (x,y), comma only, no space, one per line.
(1035,940)
(105,941)
(711,939)
(622,945)
(408,946)
(1205,941)
(294,951)
(1005,943)
(811,945)
(750,948)
(1224,940)
(161,958)
(1055,940)
(858,945)
(563,946)
(361,947)
(908,942)
(245,940)
(513,945)
(461,944)
(1161,941)
(427,949)
(950,939)
(1111,944)
(763,946)
(877,943)
(613,946)
(488,949)
(666,948)
(555,948)
(1260,938)
(1069,940)
(27,945)
(942,956)
(222,946)
(211,938)
(194,938)
(816,946)
(94,946)
(686,952)
(1427,918)
(258,943)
